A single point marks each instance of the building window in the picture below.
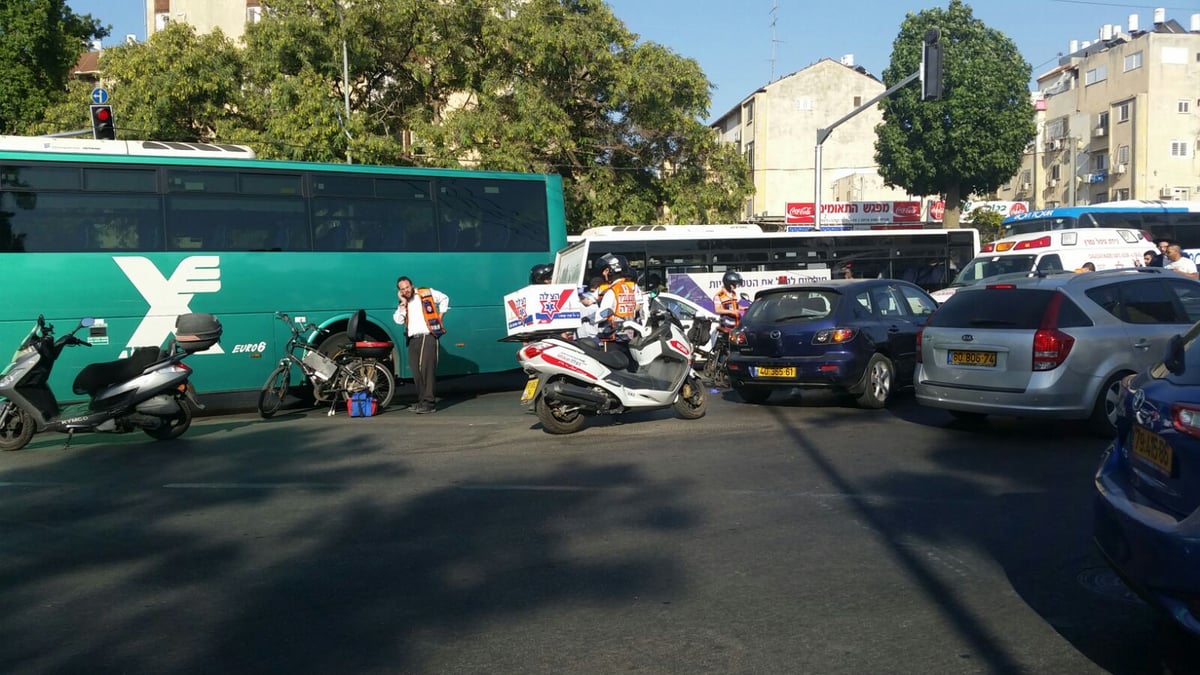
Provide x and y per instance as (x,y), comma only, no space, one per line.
(1100,198)
(1133,61)
(1123,154)
(1123,112)
(1121,194)
(857,101)
(1183,106)
(1179,148)
(750,154)
(1055,171)
(1097,74)
(1099,163)
(748,112)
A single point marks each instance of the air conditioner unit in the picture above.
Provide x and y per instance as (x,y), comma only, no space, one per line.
(1053,182)
(1024,187)
(1120,168)
(1056,144)
(1099,132)
(1166,193)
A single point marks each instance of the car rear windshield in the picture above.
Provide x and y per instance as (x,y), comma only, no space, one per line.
(1015,308)
(991,265)
(787,306)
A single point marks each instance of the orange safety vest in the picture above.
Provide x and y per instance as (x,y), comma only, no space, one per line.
(729,301)
(625,307)
(433,316)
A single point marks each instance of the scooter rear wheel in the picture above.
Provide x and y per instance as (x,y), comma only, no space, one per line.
(173,426)
(693,400)
(555,420)
(18,427)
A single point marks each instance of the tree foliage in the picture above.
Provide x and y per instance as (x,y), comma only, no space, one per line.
(972,140)
(40,40)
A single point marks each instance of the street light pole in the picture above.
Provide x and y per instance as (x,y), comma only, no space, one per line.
(345,80)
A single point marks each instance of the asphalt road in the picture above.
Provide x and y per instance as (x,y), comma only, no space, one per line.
(805,536)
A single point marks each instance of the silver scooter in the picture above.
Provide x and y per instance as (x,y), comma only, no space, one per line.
(148,391)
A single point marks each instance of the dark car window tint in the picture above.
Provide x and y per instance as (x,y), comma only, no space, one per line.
(1189,297)
(885,302)
(784,306)
(1017,308)
(1150,301)
(862,305)
(1108,297)
(1050,263)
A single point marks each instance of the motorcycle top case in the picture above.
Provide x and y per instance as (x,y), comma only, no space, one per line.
(542,307)
(197,332)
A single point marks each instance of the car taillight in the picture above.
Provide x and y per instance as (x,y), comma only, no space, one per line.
(1186,419)
(834,336)
(1002,287)
(920,334)
(738,337)
(1040,242)
(1050,345)
(987,248)
(1003,246)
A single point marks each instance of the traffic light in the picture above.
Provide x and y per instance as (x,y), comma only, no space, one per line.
(931,66)
(102,123)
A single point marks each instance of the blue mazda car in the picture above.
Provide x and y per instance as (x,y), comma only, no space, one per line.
(856,336)
(1147,508)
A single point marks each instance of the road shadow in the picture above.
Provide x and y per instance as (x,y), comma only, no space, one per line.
(129,582)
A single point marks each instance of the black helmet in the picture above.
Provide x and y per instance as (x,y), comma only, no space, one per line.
(731,278)
(541,273)
(615,264)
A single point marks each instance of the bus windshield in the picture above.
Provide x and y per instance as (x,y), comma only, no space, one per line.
(1040,225)
(990,266)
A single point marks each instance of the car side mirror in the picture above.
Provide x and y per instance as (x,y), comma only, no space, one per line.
(1174,357)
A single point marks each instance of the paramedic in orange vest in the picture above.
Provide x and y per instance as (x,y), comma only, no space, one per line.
(619,299)
(726,302)
(420,312)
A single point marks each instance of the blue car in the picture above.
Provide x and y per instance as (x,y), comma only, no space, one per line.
(1147,510)
(857,336)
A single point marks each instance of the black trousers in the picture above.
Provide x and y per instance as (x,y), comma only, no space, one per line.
(422,362)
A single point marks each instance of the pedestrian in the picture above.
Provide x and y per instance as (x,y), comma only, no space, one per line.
(420,311)
(1178,262)
(1160,259)
(1148,257)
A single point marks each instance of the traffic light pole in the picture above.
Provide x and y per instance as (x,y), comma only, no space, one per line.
(823,134)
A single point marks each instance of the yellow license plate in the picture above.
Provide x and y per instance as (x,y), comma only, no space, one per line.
(530,390)
(1153,448)
(789,371)
(986,359)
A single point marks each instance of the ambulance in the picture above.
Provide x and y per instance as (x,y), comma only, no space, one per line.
(1053,251)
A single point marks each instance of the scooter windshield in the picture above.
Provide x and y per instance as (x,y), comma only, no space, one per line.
(27,345)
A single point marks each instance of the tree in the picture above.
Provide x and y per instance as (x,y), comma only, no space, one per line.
(40,40)
(972,140)
(988,222)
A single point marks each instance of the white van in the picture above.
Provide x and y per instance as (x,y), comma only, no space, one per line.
(1053,251)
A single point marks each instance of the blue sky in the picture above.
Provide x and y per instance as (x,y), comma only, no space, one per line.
(732,39)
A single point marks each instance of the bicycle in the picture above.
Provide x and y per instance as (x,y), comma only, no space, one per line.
(714,371)
(333,379)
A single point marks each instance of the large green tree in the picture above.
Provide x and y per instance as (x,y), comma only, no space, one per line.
(972,140)
(40,40)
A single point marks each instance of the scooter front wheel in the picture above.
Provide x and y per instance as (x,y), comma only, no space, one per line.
(17,427)
(172,426)
(693,401)
(556,419)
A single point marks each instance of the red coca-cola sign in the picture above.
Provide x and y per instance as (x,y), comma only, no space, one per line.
(937,209)
(800,213)
(906,212)
(1017,207)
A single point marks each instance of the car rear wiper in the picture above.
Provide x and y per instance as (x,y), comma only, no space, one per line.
(991,322)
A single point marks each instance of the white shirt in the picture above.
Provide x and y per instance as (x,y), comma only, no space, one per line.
(1183,265)
(419,326)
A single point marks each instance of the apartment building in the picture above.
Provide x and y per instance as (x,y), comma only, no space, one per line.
(1118,118)
(776,129)
(231,16)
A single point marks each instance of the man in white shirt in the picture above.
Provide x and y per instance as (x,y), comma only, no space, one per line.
(1177,261)
(420,311)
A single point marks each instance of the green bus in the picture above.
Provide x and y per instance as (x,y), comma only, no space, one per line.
(135,233)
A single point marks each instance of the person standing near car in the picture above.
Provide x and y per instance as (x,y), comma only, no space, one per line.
(1178,262)
(420,311)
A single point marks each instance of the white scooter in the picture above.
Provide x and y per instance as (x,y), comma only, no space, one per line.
(573,379)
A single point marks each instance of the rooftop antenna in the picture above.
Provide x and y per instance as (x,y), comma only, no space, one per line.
(774,18)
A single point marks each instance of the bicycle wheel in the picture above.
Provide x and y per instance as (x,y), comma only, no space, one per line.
(373,375)
(276,387)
